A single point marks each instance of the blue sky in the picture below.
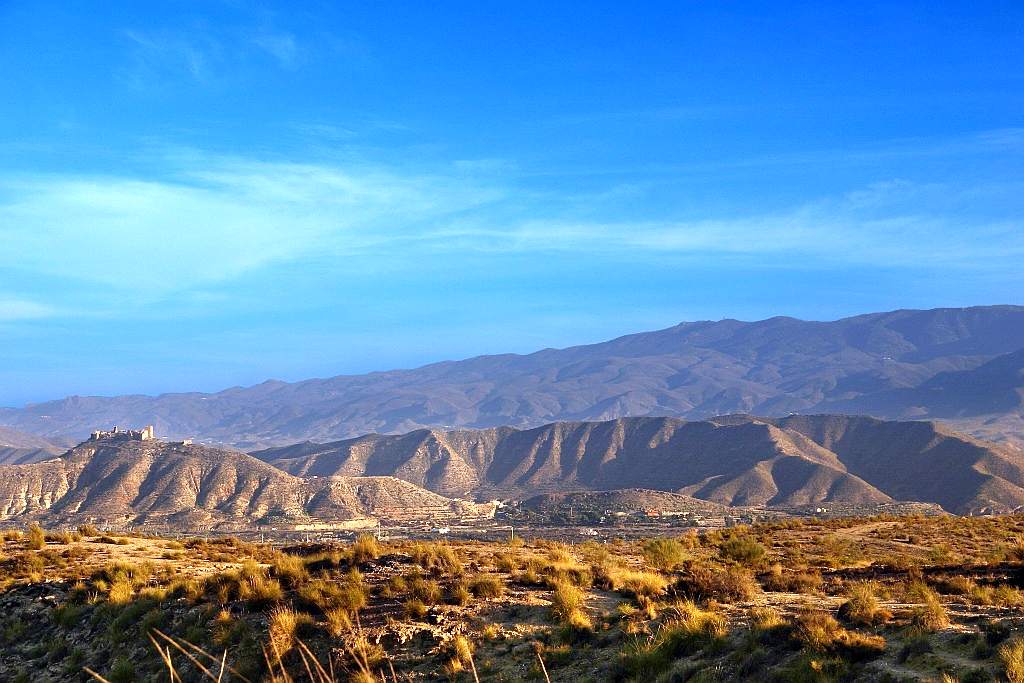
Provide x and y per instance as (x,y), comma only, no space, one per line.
(199,195)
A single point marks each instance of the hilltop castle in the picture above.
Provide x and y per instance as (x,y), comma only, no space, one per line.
(144,434)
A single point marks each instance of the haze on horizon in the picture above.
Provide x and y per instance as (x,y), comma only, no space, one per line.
(200,195)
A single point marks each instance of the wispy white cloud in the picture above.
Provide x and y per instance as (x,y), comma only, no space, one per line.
(155,55)
(894,223)
(14,309)
(280,45)
(1002,141)
(214,219)
(206,54)
(207,220)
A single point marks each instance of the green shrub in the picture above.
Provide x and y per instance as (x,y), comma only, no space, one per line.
(122,671)
(742,549)
(663,553)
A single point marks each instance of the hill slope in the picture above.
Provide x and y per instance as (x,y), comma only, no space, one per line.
(133,482)
(17,448)
(731,460)
(864,364)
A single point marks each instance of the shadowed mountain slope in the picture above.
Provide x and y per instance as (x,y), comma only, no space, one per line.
(731,460)
(864,364)
(18,448)
(187,486)
(921,461)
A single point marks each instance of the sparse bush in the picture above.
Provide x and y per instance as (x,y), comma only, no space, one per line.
(1011,654)
(459,594)
(426,590)
(663,553)
(348,595)
(487,586)
(62,537)
(704,581)
(88,530)
(414,608)
(742,549)
(438,558)
(289,569)
(789,581)
(460,654)
(630,582)
(36,537)
(393,587)
(862,607)
(122,671)
(505,562)
(120,593)
(563,568)
(365,549)
(282,627)
(690,629)
(931,614)
(915,646)
(765,619)
(567,603)
(338,621)
(111,540)
(819,631)
(254,584)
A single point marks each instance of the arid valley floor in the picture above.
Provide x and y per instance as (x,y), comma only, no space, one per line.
(915,598)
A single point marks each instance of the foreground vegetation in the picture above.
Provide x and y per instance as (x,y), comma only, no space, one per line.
(879,599)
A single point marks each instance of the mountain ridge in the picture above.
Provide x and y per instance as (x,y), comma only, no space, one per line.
(734,460)
(877,363)
(128,482)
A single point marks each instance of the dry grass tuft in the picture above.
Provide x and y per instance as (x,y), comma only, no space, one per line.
(365,549)
(765,619)
(1011,654)
(567,607)
(440,559)
(862,607)
(283,627)
(487,586)
(36,537)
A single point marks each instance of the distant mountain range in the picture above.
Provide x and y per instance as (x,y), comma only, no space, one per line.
(961,365)
(124,482)
(735,460)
